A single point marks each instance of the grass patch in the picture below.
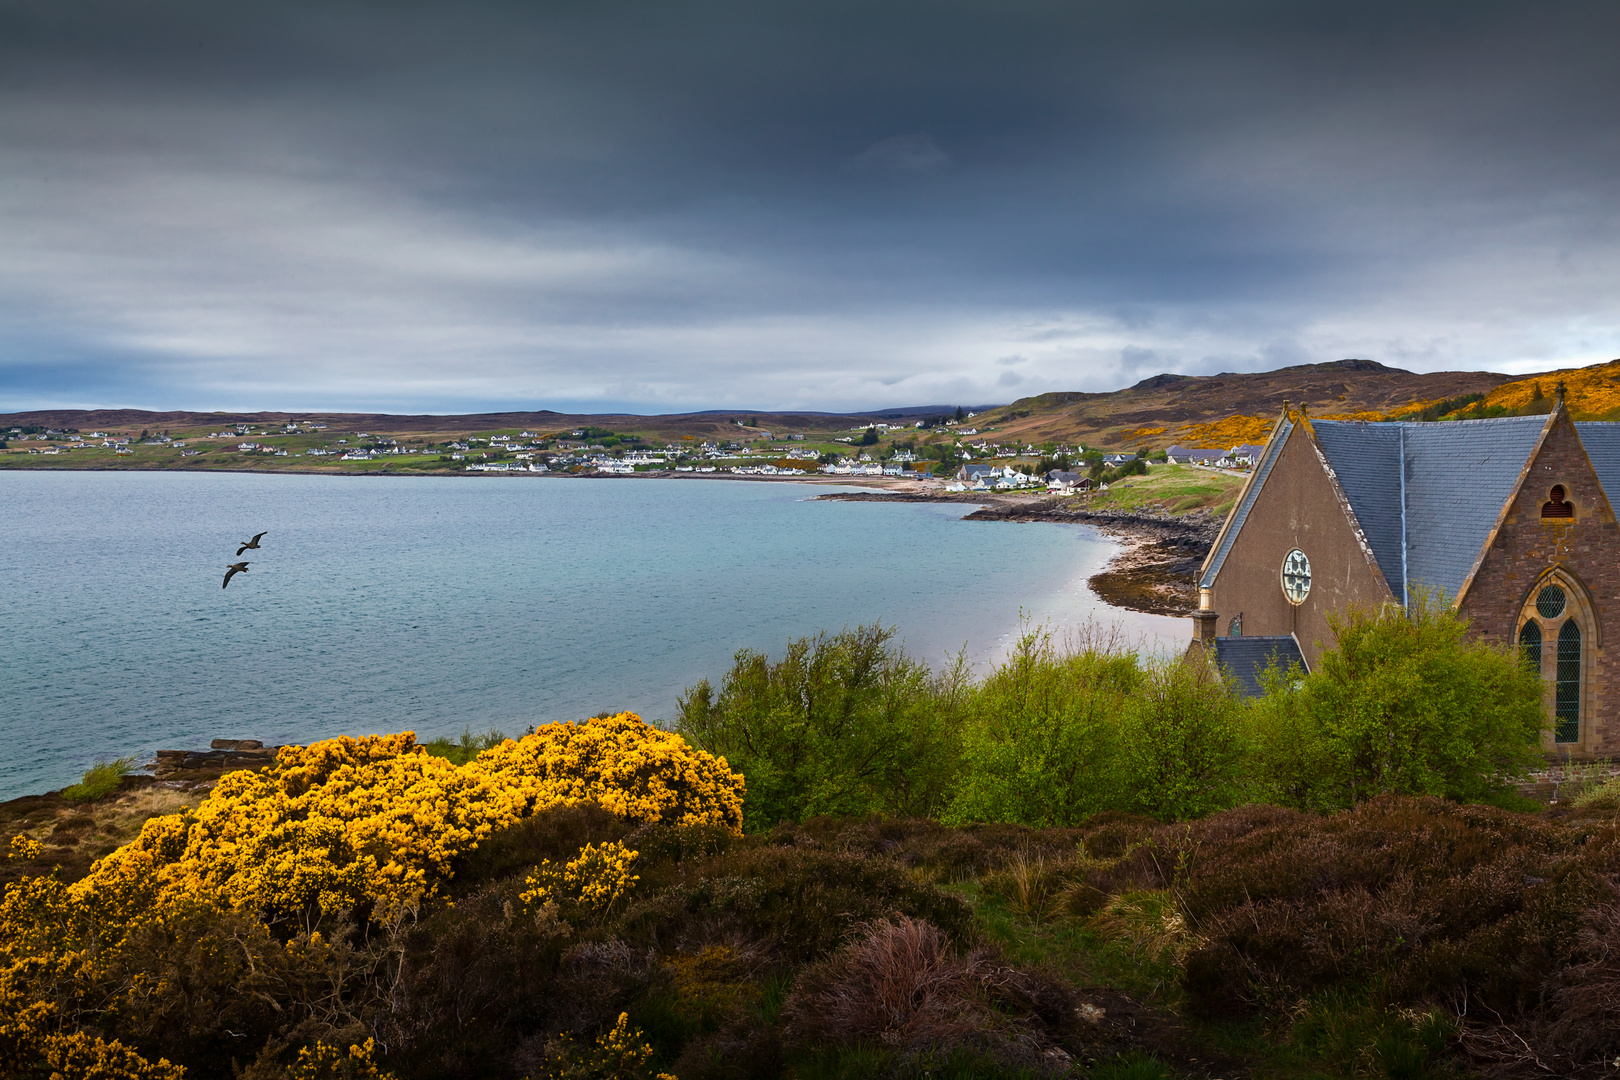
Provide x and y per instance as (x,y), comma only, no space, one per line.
(465,747)
(1173,489)
(99,780)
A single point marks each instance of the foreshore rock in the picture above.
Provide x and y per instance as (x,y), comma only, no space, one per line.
(222,756)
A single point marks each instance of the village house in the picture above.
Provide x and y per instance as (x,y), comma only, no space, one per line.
(971,473)
(1506,519)
(1064,482)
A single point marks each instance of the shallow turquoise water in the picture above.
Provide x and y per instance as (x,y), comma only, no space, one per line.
(435,603)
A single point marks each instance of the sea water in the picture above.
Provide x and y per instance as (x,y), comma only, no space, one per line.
(436,604)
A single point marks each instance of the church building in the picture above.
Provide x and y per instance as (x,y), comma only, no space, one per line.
(1509,519)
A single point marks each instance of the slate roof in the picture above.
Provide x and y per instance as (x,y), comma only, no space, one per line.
(1602,441)
(1246,658)
(1241,514)
(1366,460)
(1459,475)
(1427,495)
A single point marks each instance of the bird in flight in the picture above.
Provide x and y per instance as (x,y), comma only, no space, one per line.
(252,544)
(235,568)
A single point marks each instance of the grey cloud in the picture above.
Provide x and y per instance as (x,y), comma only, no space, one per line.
(669,205)
(915,153)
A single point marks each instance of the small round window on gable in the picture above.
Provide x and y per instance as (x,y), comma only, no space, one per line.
(1550,601)
(1296,577)
(1557,505)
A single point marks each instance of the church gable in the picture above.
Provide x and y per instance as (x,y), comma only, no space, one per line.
(1295,506)
(1548,582)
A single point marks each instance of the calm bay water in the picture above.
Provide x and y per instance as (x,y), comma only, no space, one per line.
(437,603)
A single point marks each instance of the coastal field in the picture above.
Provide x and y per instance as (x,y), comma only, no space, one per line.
(1172,490)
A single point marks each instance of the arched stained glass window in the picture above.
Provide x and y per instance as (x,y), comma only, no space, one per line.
(1530,645)
(1567,685)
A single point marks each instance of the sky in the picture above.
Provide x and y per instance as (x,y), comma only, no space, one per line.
(604,205)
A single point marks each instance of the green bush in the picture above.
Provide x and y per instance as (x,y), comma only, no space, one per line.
(843,724)
(1406,703)
(1054,736)
(465,748)
(99,780)
(1182,743)
(1041,735)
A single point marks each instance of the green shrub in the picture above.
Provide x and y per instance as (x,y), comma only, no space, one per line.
(1041,739)
(100,780)
(843,724)
(1182,743)
(1405,703)
(466,747)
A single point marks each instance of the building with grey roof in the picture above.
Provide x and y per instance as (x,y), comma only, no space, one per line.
(1507,519)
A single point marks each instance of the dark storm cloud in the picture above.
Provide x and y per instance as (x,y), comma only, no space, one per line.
(663,205)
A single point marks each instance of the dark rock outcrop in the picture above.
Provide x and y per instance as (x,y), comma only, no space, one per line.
(223,756)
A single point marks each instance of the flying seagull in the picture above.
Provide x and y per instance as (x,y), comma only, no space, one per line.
(249,544)
(233,569)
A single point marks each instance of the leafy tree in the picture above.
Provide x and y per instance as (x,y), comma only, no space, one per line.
(1182,743)
(1041,743)
(1406,703)
(869,437)
(960,415)
(1047,463)
(843,724)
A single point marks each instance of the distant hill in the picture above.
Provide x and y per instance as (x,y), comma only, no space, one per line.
(1194,410)
(1225,409)
(722,424)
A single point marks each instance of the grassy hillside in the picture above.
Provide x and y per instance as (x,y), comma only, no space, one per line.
(1171,489)
(1227,409)
(1210,411)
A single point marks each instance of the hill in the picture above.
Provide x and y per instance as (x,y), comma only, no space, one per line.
(1196,410)
(712,424)
(1229,408)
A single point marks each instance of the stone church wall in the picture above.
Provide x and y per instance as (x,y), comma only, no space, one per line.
(1297,508)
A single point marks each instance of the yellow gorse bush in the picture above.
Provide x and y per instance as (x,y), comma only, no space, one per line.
(374,823)
(323,1062)
(1229,431)
(619,1054)
(595,878)
(1594,389)
(24,848)
(350,822)
(630,768)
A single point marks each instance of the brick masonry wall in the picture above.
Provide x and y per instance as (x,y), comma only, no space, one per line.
(1297,508)
(1527,545)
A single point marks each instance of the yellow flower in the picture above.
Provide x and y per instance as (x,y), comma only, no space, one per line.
(595,878)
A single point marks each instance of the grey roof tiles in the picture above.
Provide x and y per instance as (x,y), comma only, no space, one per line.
(1427,495)
(1245,659)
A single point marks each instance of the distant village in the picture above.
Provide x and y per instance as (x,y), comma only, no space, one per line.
(946,452)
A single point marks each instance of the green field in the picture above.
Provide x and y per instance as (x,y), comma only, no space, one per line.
(1175,489)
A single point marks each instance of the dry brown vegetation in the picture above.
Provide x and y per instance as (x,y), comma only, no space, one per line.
(1406,930)
(75,835)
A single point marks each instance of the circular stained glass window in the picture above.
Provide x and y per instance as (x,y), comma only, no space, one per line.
(1550,602)
(1296,577)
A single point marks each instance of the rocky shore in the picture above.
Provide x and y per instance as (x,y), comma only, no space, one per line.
(1156,571)
(221,757)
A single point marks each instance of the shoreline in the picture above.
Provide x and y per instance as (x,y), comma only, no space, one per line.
(1154,573)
